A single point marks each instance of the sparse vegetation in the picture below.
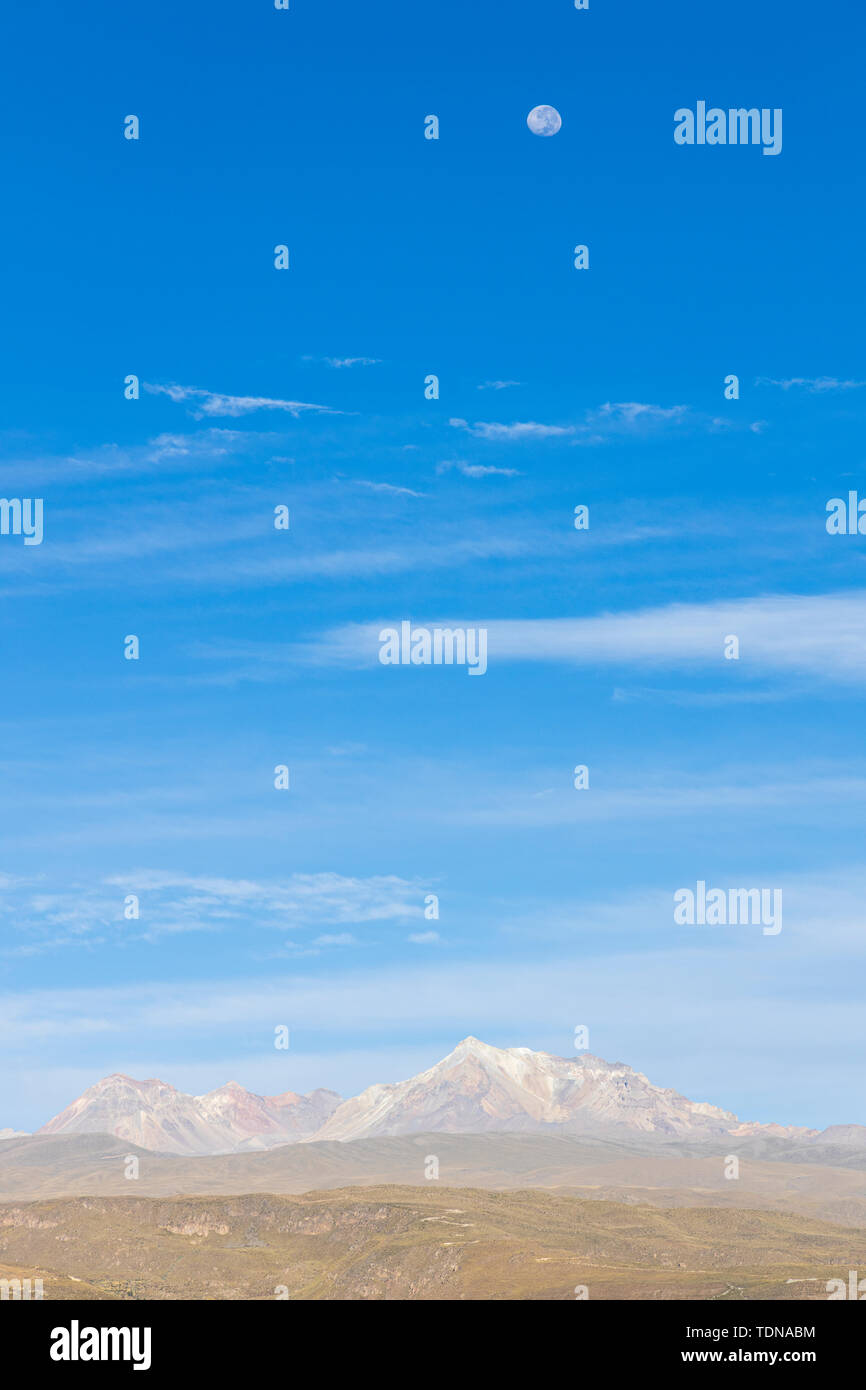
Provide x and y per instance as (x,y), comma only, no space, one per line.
(417,1243)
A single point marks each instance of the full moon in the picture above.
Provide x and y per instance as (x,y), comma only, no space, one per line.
(544,120)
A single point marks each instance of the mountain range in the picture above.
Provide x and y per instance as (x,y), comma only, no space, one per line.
(153,1115)
(475,1089)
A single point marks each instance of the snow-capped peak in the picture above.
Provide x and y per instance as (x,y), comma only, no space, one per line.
(481,1087)
(476,1087)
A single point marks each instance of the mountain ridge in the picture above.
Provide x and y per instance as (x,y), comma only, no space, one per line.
(476,1088)
(156,1116)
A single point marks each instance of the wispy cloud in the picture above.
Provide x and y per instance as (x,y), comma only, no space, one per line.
(175,453)
(528,429)
(344,361)
(215,403)
(388,487)
(227,556)
(170,903)
(817,636)
(476,470)
(497,385)
(384,558)
(353,361)
(746,795)
(814,384)
(630,415)
(613,419)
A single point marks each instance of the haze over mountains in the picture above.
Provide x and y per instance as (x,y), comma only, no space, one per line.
(475,1089)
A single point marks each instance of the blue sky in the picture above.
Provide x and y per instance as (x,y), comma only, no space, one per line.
(258,647)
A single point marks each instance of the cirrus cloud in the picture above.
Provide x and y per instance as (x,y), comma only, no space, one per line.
(217,403)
